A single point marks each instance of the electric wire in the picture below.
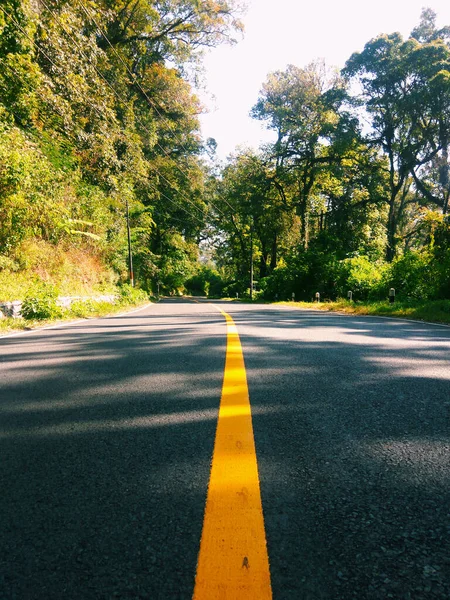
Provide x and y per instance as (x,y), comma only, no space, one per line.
(155,189)
(133,76)
(122,100)
(115,123)
(135,80)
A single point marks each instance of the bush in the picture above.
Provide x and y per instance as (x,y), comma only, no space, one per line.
(207,282)
(443,275)
(82,308)
(90,308)
(40,303)
(131,295)
(362,276)
(8,264)
(413,276)
(304,274)
(232,288)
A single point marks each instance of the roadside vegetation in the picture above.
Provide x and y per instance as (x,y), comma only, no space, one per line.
(40,307)
(432,311)
(99,130)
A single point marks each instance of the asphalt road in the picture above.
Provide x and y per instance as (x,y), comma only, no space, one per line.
(106,436)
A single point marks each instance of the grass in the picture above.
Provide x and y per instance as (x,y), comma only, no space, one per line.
(434,311)
(91,309)
(41,271)
(72,271)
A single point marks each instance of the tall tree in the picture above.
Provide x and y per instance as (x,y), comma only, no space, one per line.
(302,106)
(101,92)
(249,214)
(399,81)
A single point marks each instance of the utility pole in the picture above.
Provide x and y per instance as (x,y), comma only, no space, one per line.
(251,262)
(130,257)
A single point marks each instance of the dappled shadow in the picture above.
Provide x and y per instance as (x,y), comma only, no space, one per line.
(108,429)
(355,461)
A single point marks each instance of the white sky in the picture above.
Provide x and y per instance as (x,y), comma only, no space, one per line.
(282,32)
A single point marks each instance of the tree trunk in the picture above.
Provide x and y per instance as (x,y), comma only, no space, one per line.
(263,265)
(273,256)
(445,179)
(304,223)
(391,231)
(263,259)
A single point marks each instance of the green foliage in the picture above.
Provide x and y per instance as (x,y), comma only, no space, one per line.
(8,264)
(207,282)
(40,303)
(433,311)
(82,308)
(303,274)
(333,205)
(405,90)
(131,295)
(413,276)
(177,263)
(88,123)
(235,289)
(31,197)
(89,307)
(363,277)
(8,324)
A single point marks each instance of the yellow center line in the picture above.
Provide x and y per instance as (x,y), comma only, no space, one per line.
(233,561)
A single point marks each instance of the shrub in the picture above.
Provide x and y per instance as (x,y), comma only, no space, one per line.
(90,308)
(362,276)
(40,303)
(82,308)
(412,276)
(8,264)
(207,282)
(232,288)
(131,295)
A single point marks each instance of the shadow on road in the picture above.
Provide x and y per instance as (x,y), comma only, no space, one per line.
(354,456)
(107,432)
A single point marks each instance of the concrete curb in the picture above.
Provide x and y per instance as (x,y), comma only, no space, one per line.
(14,309)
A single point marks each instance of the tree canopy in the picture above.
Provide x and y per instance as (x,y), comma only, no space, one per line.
(98,112)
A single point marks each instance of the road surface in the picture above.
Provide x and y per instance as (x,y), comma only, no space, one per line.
(107,432)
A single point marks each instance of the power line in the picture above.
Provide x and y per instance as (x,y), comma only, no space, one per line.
(92,107)
(153,187)
(46,56)
(100,30)
(121,99)
(135,80)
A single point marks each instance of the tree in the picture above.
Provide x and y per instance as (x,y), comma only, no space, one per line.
(97,95)
(167,30)
(432,178)
(249,215)
(303,107)
(404,91)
